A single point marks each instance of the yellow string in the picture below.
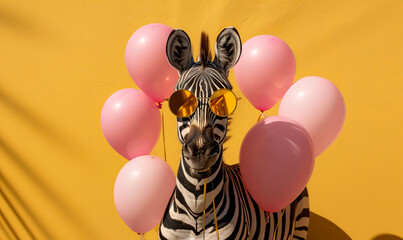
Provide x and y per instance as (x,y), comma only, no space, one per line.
(204,213)
(215,220)
(204,209)
(275,230)
(163,134)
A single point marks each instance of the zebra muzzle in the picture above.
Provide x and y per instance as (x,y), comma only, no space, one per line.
(200,151)
(200,174)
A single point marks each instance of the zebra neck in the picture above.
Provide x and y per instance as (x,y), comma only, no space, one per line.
(189,195)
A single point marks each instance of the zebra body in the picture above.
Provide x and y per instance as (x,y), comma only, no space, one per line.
(202,136)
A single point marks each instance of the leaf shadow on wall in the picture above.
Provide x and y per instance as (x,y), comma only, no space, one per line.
(14,193)
(321,228)
(42,184)
(14,20)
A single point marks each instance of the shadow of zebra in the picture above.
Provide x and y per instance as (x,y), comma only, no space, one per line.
(387,237)
(321,228)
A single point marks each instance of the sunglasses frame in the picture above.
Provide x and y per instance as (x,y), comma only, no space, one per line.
(209,102)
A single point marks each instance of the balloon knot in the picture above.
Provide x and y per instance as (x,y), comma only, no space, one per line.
(159,105)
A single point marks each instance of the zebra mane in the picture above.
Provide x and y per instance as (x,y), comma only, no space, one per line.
(205,54)
(228,136)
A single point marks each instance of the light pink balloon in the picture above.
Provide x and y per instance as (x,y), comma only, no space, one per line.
(131,123)
(276,162)
(318,105)
(148,64)
(143,189)
(265,70)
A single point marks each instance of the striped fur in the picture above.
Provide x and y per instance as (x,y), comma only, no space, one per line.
(238,215)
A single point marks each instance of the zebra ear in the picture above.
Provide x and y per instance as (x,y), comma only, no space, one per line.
(179,50)
(228,48)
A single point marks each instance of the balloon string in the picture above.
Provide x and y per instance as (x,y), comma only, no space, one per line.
(163,130)
(141,235)
(261,116)
(215,220)
(275,230)
(204,213)
(204,209)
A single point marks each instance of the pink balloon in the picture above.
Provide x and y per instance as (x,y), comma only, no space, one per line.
(148,64)
(143,189)
(265,70)
(131,123)
(318,106)
(276,162)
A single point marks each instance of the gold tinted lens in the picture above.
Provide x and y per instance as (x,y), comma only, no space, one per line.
(182,103)
(223,102)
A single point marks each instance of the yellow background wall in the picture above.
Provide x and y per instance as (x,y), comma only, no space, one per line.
(61,60)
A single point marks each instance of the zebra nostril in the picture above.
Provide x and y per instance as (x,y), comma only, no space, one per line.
(199,142)
(200,146)
(188,150)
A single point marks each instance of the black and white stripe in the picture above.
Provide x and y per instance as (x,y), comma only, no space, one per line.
(238,215)
(202,83)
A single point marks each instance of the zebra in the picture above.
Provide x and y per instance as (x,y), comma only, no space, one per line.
(202,135)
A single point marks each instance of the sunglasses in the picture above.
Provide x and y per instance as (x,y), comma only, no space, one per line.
(222,103)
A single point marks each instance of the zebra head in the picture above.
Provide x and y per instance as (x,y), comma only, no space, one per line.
(203,132)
